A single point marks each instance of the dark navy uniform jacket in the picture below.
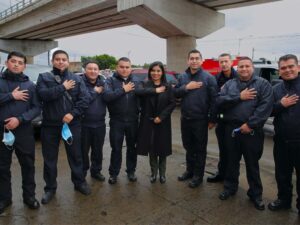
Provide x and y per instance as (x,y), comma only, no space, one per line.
(122,106)
(198,103)
(94,115)
(253,112)
(287,120)
(25,111)
(222,79)
(56,103)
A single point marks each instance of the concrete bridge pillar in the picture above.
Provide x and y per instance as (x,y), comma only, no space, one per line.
(29,59)
(179,22)
(177,49)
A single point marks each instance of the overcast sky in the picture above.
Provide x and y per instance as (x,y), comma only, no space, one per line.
(271,29)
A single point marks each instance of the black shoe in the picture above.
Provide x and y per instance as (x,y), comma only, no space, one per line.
(195,182)
(215,178)
(132,177)
(4,205)
(258,204)
(47,197)
(162,179)
(32,203)
(153,179)
(98,176)
(112,180)
(185,176)
(224,195)
(279,204)
(83,189)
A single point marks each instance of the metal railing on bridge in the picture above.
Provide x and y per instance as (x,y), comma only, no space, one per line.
(22,4)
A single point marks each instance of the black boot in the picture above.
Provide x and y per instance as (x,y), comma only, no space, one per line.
(162,169)
(215,178)
(154,167)
(279,204)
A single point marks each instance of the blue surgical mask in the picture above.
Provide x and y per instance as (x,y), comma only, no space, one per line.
(8,139)
(67,134)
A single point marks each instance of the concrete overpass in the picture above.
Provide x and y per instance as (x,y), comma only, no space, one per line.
(34,25)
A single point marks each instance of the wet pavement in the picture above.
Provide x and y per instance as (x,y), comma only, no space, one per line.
(145,203)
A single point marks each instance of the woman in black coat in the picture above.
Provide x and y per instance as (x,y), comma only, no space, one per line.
(154,136)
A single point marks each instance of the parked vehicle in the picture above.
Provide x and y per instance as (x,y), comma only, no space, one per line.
(212,65)
(268,72)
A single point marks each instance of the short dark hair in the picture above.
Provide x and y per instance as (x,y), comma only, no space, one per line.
(18,54)
(161,66)
(245,58)
(287,57)
(224,55)
(90,61)
(194,51)
(124,59)
(59,52)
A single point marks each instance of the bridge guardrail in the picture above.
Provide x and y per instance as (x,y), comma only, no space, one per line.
(16,8)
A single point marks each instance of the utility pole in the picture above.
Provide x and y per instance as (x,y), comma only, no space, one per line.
(253,53)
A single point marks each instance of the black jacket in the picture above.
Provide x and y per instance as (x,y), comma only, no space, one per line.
(253,112)
(25,111)
(286,120)
(198,103)
(222,79)
(154,138)
(122,106)
(94,115)
(56,103)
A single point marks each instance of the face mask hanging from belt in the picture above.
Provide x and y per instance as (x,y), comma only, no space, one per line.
(237,131)
(8,139)
(67,134)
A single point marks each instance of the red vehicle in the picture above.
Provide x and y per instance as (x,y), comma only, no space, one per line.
(212,65)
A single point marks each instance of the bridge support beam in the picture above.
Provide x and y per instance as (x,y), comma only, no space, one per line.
(180,22)
(30,48)
(177,49)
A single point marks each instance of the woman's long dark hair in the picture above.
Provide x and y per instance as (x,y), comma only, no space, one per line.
(161,66)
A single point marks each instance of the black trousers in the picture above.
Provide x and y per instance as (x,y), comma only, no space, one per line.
(24,148)
(194,139)
(158,163)
(223,152)
(287,157)
(251,148)
(119,129)
(50,137)
(92,138)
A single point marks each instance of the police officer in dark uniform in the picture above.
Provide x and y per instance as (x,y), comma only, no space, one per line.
(93,123)
(247,103)
(227,73)
(123,109)
(19,105)
(198,90)
(65,98)
(286,111)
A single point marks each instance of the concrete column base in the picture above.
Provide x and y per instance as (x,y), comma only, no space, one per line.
(29,59)
(178,48)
